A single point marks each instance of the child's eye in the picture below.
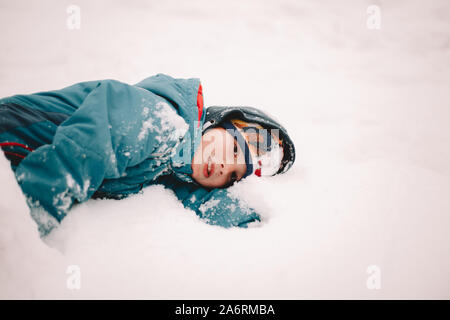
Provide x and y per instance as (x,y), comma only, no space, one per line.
(233,177)
(235,147)
(232,180)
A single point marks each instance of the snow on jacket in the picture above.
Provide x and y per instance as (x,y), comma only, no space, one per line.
(108,139)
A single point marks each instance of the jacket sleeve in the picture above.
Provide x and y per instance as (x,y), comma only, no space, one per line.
(215,206)
(220,207)
(98,141)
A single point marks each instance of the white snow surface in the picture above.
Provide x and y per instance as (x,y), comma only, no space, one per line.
(368,110)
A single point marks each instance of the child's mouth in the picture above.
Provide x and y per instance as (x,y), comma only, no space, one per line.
(208,168)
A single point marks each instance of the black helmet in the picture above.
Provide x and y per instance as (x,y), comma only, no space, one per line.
(215,115)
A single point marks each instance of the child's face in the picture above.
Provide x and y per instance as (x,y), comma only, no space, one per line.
(218,161)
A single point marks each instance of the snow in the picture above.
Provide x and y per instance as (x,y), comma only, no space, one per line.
(63,200)
(171,123)
(147,126)
(208,205)
(368,111)
(170,126)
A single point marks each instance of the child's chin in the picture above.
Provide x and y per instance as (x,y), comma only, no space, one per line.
(198,177)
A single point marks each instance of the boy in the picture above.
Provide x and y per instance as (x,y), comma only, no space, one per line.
(108,139)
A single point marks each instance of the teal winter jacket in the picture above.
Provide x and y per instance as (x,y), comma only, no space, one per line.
(109,139)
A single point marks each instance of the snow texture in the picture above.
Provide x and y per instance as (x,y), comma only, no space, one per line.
(170,126)
(368,111)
